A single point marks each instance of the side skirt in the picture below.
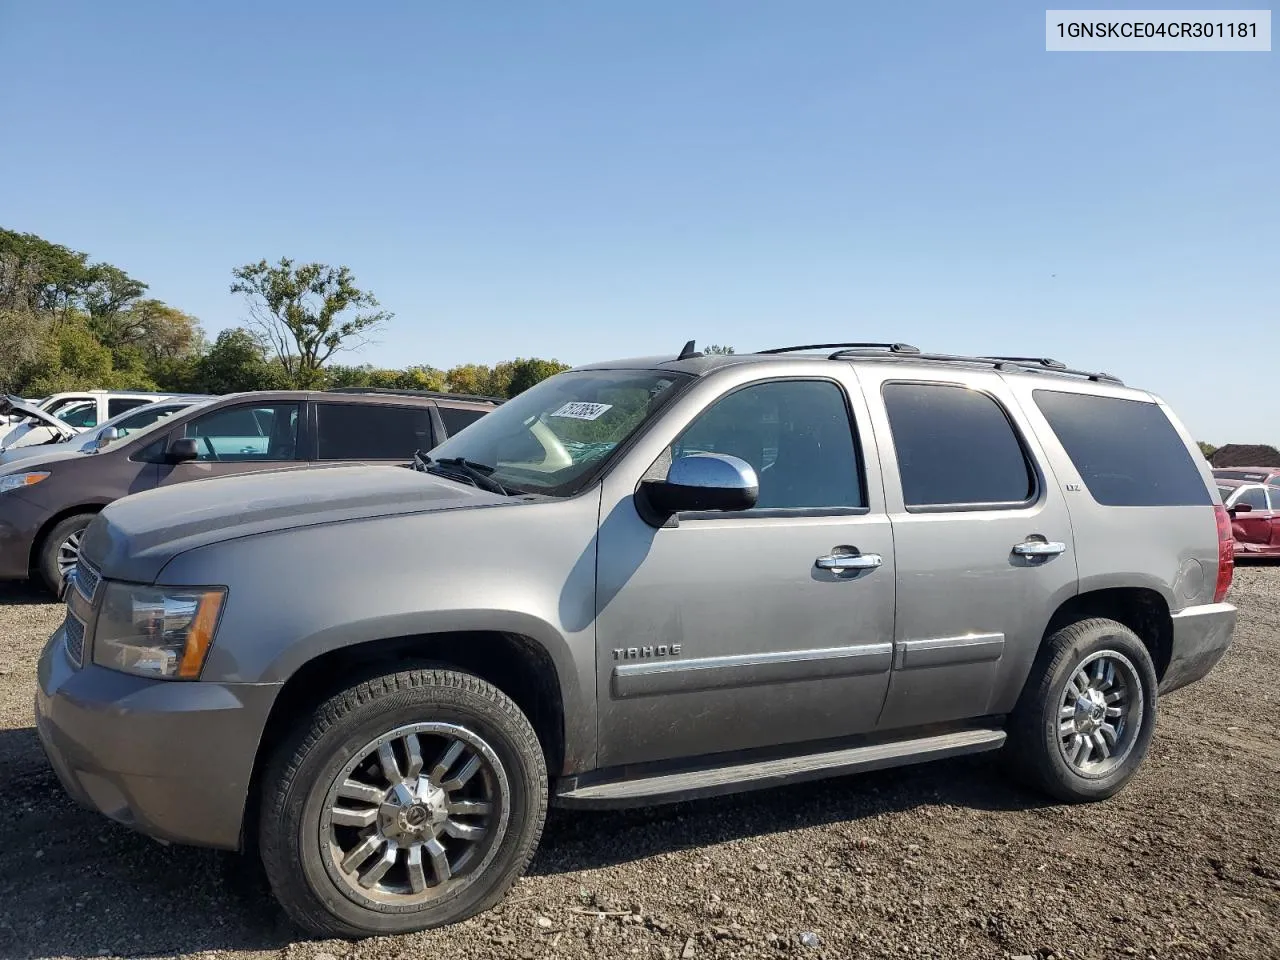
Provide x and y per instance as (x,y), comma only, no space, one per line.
(715,776)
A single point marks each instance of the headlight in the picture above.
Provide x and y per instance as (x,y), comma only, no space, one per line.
(156,631)
(16,481)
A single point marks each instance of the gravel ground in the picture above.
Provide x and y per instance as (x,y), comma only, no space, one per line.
(943,860)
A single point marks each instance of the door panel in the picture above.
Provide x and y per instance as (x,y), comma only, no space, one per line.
(718,632)
(963,488)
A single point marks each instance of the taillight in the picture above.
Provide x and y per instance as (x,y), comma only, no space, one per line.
(1226,554)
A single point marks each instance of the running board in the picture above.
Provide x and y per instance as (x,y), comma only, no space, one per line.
(674,786)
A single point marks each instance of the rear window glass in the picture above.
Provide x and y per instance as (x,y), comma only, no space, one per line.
(369,431)
(458,418)
(1253,475)
(955,447)
(1127,451)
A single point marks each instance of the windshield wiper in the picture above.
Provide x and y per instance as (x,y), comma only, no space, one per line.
(477,474)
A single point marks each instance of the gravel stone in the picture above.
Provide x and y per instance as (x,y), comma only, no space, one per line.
(948,859)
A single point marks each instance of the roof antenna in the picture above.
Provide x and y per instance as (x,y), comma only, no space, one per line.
(690,350)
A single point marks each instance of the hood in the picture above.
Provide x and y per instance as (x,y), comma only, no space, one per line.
(34,457)
(135,537)
(17,407)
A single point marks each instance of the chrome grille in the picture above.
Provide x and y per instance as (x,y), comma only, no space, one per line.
(85,579)
(73,629)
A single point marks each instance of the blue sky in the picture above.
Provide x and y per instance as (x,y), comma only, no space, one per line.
(586,180)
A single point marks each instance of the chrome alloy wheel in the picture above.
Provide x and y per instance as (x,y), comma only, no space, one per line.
(1100,714)
(415,817)
(69,553)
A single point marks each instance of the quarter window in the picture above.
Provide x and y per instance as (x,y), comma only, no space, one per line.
(368,431)
(797,436)
(249,432)
(1126,451)
(955,447)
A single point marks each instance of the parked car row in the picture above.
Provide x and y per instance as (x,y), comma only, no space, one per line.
(50,492)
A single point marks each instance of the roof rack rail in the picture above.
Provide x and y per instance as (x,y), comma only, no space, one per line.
(999,363)
(434,394)
(1057,366)
(904,348)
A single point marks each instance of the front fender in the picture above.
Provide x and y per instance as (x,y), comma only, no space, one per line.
(296,594)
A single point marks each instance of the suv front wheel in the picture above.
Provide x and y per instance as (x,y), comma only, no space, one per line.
(412,800)
(1085,720)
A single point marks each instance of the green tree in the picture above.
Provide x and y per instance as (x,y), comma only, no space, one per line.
(41,277)
(307,313)
(525,373)
(717,348)
(107,298)
(1208,449)
(237,361)
(470,378)
(71,359)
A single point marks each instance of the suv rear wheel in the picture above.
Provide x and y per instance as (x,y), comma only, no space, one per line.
(412,800)
(1085,719)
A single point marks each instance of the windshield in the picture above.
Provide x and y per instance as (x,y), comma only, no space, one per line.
(553,438)
(1226,492)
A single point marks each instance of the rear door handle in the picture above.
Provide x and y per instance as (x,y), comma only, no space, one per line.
(840,562)
(1039,548)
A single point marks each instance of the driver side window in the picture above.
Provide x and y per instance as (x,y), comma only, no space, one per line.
(248,432)
(797,436)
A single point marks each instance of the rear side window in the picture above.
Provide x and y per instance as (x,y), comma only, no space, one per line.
(1127,451)
(118,405)
(456,418)
(956,447)
(350,431)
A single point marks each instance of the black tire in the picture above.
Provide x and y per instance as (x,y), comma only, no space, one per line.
(1041,735)
(296,845)
(47,560)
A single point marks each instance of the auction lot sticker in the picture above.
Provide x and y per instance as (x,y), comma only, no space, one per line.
(580,410)
(1157,31)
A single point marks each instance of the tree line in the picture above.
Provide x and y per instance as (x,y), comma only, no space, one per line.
(68,323)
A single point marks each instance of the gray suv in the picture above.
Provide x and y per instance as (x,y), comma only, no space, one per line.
(637,582)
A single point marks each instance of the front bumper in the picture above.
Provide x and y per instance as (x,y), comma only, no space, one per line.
(171,759)
(1201,635)
(20,521)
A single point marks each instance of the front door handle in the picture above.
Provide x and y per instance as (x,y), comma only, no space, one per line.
(840,562)
(1039,548)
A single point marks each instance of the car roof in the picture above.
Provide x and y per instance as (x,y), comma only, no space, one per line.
(1265,471)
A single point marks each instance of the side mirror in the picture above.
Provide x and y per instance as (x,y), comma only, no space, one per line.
(703,481)
(182,450)
(108,436)
(1241,508)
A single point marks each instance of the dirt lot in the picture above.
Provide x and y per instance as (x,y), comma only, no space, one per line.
(947,860)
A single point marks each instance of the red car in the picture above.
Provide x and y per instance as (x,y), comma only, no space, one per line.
(1255,516)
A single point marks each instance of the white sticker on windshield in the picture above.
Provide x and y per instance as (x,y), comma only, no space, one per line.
(582,411)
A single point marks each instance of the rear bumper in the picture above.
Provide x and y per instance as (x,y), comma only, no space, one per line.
(1201,635)
(172,759)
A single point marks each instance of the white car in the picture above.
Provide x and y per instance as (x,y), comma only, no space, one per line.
(116,428)
(48,419)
